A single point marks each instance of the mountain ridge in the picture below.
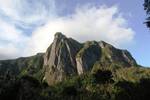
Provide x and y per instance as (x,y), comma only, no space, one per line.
(66,57)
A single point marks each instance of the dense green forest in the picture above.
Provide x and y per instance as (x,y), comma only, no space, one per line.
(103,83)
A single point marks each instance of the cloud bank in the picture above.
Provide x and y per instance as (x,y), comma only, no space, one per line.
(86,23)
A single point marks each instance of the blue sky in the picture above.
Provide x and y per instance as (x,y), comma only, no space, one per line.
(27,26)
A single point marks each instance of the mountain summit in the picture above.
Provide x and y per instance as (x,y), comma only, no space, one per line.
(59,59)
(66,57)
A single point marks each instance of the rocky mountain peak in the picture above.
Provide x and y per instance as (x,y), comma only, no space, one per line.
(103,44)
(59,60)
(59,35)
(66,57)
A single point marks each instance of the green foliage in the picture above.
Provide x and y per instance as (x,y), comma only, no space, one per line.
(103,83)
(102,76)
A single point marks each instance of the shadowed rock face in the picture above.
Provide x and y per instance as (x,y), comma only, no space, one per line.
(115,55)
(66,57)
(87,56)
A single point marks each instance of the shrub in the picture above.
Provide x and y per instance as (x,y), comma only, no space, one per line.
(103,76)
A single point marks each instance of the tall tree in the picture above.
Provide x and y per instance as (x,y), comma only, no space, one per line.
(147,9)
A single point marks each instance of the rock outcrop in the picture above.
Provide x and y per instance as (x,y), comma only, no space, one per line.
(114,55)
(66,57)
(87,56)
(59,60)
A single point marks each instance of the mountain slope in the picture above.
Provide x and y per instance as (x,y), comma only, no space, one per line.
(25,65)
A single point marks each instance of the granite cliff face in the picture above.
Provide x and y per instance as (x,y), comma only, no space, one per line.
(59,59)
(66,57)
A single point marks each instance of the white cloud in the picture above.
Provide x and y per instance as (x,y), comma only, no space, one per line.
(87,23)
(9,51)
(28,11)
(11,40)
(9,32)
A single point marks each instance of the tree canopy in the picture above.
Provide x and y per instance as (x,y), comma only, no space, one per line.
(147,9)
